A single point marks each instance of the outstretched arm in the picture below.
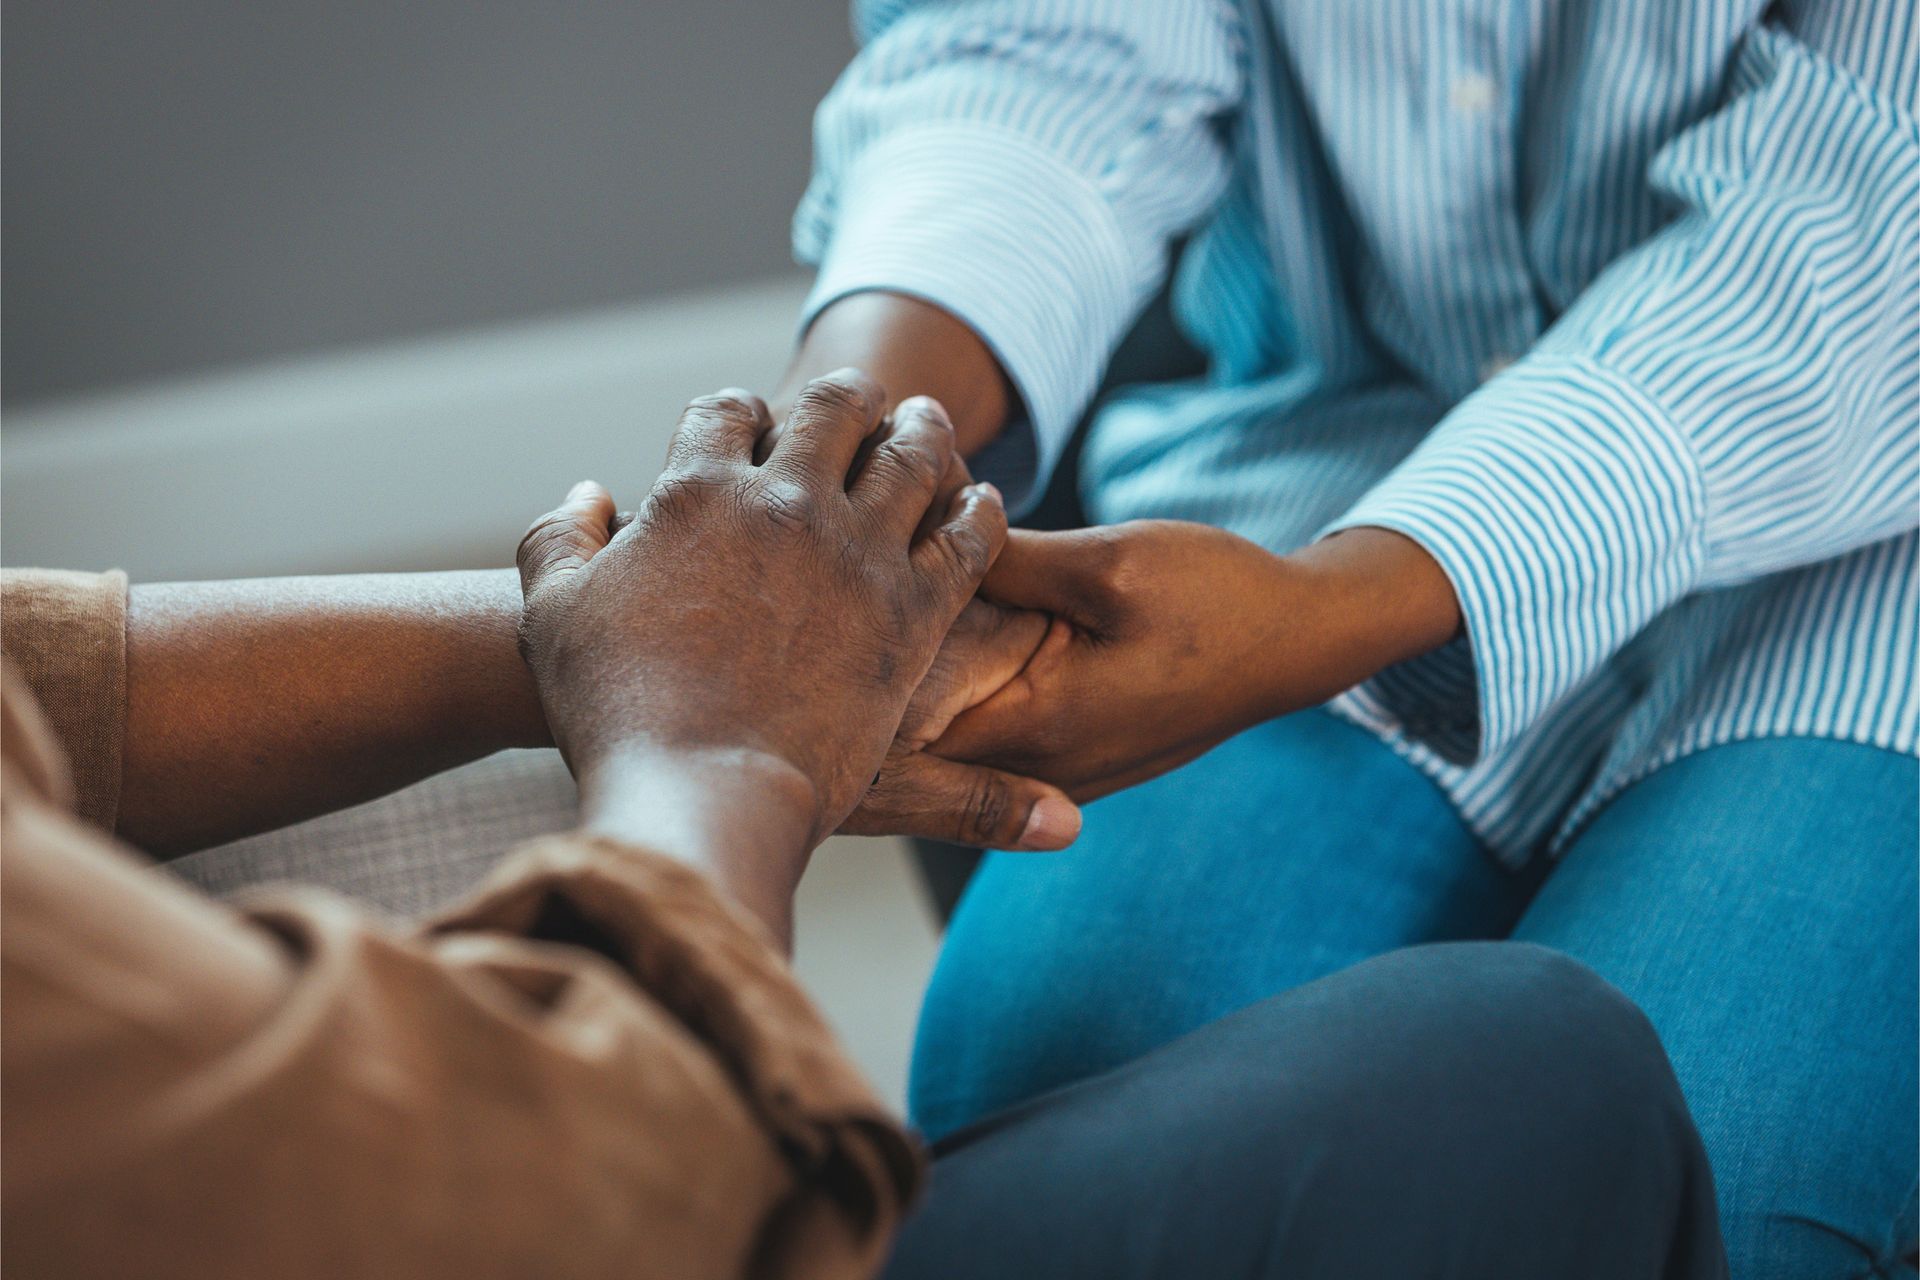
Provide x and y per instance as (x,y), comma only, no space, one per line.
(256,703)
(1731,399)
(252,704)
(596,1059)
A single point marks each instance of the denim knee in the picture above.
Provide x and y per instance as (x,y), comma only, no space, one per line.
(1782,1225)
(1768,1241)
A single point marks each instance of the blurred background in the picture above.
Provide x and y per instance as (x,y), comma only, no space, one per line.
(437,256)
(362,286)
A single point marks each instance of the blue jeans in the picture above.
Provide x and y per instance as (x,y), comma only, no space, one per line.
(1510,1115)
(1757,900)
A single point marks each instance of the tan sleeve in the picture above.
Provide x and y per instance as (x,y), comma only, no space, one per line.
(596,1068)
(66,637)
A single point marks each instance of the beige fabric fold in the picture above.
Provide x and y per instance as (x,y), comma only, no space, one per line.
(594,1067)
(66,635)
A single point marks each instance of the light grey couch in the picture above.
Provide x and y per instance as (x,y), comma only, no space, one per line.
(411,851)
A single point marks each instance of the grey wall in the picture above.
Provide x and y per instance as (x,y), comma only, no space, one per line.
(192,183)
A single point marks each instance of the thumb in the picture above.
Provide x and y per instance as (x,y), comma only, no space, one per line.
(1069,574)
(564,539)
(921,795)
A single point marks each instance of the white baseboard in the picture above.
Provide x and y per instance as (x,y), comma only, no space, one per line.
(428,453)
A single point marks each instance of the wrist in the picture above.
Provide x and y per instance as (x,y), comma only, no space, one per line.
(492,702)
(1361,600)
(746,818)
(910,347)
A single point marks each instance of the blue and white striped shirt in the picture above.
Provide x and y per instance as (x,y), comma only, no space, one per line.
(1612,305)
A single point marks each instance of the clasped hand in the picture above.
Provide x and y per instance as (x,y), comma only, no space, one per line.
(799,608)
(761,644)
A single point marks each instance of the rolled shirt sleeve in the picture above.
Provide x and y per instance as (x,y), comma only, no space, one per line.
(1022,166)
(595,1067)
(1734,398)
(64,634)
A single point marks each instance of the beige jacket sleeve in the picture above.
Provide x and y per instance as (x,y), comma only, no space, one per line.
(595,1067)
(65,635)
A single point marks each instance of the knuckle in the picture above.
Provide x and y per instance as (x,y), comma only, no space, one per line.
(987,804)
(831,398)
(538,535)
(709,421)
(1109,559)
(684,490)
(968,552)
(674,490)
(702,475)
(913,458)
(787,505)
(731,404)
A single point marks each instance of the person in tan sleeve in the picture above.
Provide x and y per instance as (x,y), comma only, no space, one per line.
(599,1064)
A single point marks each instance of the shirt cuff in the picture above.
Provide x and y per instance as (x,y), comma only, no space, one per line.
(1567,510)
(991,227)
(66,634)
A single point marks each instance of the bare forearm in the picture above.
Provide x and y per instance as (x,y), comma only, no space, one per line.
(911,348)
(252,704)
(1371,598)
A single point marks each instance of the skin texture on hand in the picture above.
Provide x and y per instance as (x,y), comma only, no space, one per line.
(755,633)
(919,793)
(911,346)
(1170,637)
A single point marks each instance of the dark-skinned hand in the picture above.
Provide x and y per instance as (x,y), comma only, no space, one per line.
(774,618)
(1170,637)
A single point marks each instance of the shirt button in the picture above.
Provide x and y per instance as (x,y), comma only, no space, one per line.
(1471,94)
(1494,367)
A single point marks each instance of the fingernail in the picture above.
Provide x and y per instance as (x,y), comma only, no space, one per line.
(986,490)
(1053,824)
(581,490)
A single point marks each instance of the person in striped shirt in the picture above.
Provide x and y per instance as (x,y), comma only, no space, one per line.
(1534,559)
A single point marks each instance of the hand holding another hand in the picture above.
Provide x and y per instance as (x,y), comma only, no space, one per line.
(922,794)
(774,649)
(726,672)
(1170,637)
